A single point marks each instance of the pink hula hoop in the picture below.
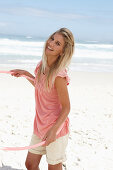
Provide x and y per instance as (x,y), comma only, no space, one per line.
(24,147)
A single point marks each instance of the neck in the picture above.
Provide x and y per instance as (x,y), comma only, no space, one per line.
(51,60)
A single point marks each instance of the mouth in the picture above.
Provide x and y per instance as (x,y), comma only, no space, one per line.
(48,47)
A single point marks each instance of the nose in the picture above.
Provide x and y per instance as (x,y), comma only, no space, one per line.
(51,43)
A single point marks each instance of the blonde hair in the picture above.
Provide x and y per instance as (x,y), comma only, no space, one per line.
(62,61)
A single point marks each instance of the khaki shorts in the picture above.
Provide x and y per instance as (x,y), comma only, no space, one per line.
(55,151)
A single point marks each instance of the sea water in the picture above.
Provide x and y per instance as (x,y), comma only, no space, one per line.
(26,51)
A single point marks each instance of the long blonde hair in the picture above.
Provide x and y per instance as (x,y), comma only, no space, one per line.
(62,61)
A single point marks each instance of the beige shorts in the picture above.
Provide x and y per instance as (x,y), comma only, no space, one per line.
(55,151)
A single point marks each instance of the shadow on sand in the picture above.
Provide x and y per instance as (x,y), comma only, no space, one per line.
(8,168)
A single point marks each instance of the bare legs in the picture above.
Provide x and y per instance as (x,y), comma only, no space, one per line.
(55,167)
(33,160)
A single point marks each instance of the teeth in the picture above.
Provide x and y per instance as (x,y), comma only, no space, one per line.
(49,48)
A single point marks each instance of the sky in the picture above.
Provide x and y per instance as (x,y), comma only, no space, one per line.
(88,20)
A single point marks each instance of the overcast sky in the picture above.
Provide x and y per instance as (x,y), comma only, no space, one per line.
(87,19)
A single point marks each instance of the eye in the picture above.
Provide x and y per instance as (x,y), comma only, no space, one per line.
(57,43)
(52,38)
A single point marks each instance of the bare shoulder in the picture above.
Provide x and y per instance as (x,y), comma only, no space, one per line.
(61,85)
(60,82)
(62,90)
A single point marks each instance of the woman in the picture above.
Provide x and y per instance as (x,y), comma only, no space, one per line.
(52,101)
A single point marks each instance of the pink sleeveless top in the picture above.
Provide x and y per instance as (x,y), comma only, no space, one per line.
(47,106)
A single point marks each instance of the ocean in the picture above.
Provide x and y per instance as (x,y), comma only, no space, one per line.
(26,51)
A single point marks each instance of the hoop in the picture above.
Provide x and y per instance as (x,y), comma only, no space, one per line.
(25,147)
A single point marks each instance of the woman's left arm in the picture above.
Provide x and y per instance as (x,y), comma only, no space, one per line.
(61,87)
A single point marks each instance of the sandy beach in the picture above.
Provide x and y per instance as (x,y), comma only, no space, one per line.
(90,144)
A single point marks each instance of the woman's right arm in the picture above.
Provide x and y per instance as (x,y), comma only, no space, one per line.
(19,73)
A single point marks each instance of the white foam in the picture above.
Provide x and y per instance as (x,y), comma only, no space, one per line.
(92,53)
(8,42)
(24,61)
(19,52)
(95,46)
(16,47)
(35,48)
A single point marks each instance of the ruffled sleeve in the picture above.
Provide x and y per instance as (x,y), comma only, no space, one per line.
(63,74)
(37,67)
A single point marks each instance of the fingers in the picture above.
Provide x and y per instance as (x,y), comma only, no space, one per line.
(49,138)
(15,70)
(16,74)
(46,140)
(46,143)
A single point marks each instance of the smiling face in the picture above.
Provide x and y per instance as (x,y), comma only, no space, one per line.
(54,45)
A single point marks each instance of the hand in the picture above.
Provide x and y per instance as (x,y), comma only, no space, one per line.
(49,137)
(18,72)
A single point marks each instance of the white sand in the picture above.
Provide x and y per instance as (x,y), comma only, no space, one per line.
(91,118)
